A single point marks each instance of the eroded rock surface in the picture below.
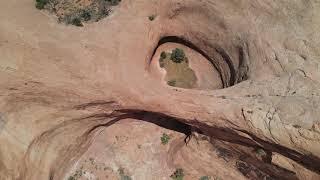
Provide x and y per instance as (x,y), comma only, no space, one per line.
(64,89)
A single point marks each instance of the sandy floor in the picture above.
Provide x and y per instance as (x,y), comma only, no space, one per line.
(207,76)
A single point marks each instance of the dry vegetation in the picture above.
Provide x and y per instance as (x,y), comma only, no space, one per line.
(76,12)
(179,74)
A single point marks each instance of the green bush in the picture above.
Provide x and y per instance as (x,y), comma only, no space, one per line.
(71,178)
(205,178)
(76,15)
(113,2)
(261,152)
(163,55)
(41,3)
(172,83)
(122,174)
(177,55)
(86,15)
(76,175)
(178,174)
(77,22)
(125,177)
(152,17)
(165,138)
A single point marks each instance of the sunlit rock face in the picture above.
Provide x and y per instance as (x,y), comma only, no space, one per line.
(92,101)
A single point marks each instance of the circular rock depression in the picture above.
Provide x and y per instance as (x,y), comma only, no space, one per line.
(196,72)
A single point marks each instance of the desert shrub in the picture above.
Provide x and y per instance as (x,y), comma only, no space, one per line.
(261,152)
(177,55)
(172,83)
(75,14)
(104,12)
(41,3)
(165,138)
(71,178)
(152,17)
(205,178)
(125,177)
(77,22)
(86,15)
(178,174)
(161,62)
(163,55)
(114,2)
(122,174)
(76,175)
